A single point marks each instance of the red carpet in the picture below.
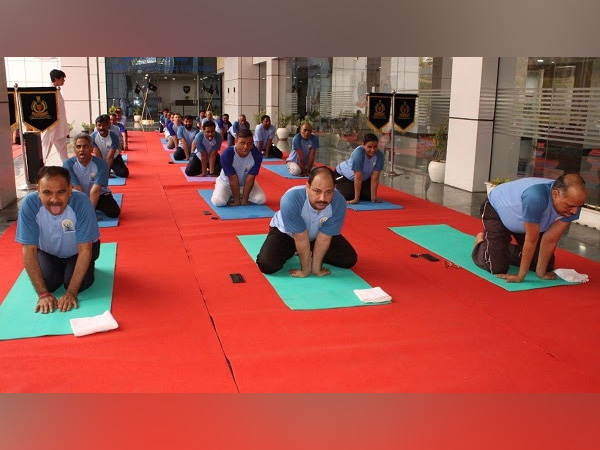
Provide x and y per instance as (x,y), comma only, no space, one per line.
(445,331)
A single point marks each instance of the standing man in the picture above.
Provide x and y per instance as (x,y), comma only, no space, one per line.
(59,233)
(240,167)
(89,174)
(240,124)
(57,134)
(302,156)
(185,139)
(310,223)
(263,138)
(536,212)
(163,119)
(205,159)
(106,146)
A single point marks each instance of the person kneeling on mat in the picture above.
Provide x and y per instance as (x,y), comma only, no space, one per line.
(205,159)
(60,239)
(309,222)
(236,184)
(185,138)
(89,174)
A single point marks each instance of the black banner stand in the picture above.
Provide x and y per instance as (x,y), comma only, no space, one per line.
(27,186)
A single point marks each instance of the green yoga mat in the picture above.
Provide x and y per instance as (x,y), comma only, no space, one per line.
(456,246)
(17,319)
(331,291)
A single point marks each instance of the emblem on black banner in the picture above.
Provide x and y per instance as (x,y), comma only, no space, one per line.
(404,112)
(39,109)
(186,89)
(379,111)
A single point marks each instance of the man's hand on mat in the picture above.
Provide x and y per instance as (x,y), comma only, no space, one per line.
(67,301)
(234,202)
(244,203)
(321,272)
(510,278)
(46,304)
(298,273)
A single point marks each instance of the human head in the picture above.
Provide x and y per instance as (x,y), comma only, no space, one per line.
(320,187)
(102,124)
(568,194)
(208,128)
(266,121)
(202,113)
(177,118)
(57,77)
(54,188)
(188,121)
(209,115)
(119,113)
(82,145)
(165,112)
(244,143)
(242,118)
(370,144)
(305,130)
(225,117)
(113,118)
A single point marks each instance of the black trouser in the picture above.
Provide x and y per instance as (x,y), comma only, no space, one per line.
(279,247)
(274,152)
(346,187)
(59,271)
(230,140)
(496,252)
(194,167)
(179,154)
(119,167)
(108,205)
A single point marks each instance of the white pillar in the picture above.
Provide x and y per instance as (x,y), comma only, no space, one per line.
(472,101)
(8,191)
(240,86)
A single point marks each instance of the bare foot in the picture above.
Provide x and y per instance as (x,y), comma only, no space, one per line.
(479,238)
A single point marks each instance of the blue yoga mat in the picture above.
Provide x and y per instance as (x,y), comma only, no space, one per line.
(178,162)
(370,206)
(456,246)
(281,169)
(236,212)
(106,222)
(167,149)
(273,160)
(125,158)
(163,140)
(17,319)
(116,181)
(331,291)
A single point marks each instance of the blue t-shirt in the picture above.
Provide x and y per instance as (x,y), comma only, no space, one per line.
(234,164)
(526,200)
(188,135)
(96,172)
(237,126)
(359,162)
(303,145)
(57,235)
(262,135)
(172,128)
(296,215)
(204,145)
(105,144)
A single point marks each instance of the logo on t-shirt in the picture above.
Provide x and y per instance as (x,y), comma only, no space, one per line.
(322,220)
(67,226)
(92,176)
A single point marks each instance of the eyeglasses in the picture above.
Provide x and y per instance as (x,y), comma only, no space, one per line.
(451,264)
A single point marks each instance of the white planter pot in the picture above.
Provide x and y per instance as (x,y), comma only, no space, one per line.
(437,171)
(137,118)
(282,133)
(147,122)
(334,140)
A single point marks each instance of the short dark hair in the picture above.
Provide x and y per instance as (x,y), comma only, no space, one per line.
(370,137)
(225,114)
(566,181)
(244,133)
(208,124)
(165,109)
(102,118)
(320,170)
(56,74)
(264,117)
(54,171)
(188,117)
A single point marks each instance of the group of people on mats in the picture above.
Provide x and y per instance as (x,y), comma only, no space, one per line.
(58,230)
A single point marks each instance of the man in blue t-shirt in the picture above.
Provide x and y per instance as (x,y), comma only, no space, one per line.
(185,138)
(236,185)
(205,159)
(106,146)
(58,230)
(240,124)
(309,222)
(536,212)
(89,174)
(263,138)
(304,148)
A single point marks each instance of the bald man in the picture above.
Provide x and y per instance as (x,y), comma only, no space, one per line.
(536,212)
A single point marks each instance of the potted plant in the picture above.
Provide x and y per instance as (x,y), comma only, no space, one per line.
(86,127)
(437,166)
(137,114)
(113,109)
(489,185)
(282,132)
(258,115)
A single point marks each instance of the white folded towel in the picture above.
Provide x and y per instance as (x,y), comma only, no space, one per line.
(572,276)
(96,324)
(372,295)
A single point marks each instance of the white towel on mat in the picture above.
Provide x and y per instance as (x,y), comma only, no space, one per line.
(572,276)
(88,325)
(372,295)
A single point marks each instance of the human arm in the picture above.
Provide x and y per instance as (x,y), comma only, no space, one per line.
(548,245)
(84,257)
(322,243)
(110,157)
(532,234)
(95,192)
(268,146)
(311,160)
(358,177)
(46,301)
(374,186)
(234,183)
(302,242)
(248,185)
